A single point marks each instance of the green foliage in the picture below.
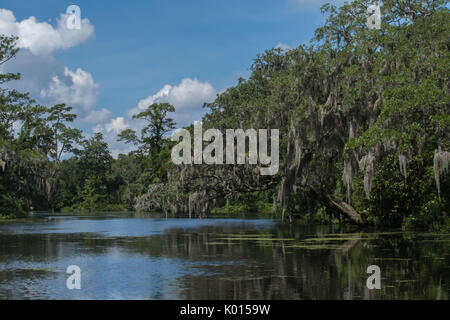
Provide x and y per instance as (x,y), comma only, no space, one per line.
(357,110)
(157,124)
(395,200)
(254,203)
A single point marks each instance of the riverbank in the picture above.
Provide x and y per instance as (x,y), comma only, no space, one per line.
(319,218)
(16,220)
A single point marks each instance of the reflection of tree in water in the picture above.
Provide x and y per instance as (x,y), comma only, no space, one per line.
(285,262)
(270,269)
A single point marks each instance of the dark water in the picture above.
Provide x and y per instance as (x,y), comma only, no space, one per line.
(145,258)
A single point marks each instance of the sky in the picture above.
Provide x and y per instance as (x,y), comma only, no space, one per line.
(129,54)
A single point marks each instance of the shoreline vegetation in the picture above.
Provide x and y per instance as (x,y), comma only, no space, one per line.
(363,117)
(230,212)
(309,220)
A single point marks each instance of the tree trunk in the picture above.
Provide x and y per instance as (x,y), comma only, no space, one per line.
(346,210)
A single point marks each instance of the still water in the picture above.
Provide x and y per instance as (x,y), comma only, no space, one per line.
(125,257)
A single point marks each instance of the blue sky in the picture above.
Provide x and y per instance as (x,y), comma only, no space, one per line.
(129,53)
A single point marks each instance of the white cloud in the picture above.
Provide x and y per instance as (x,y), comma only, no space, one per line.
(7,22)
(98,116)
(110,131)
(116,125)
(51,82)
(76,89)
(47,79)
(36,71)
(42,38)
(187,97)
(190,93)
(283,46)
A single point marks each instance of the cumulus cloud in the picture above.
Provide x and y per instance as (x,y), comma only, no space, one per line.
(188,94)
(98,116)
(47,79)
(75,88)
(36,71)
(116,125)
(42,38)
(283,46)
(110,131)
(187,97)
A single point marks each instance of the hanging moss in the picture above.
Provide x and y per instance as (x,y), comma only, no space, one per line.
(441,161)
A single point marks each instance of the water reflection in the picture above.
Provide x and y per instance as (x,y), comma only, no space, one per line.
(138,258)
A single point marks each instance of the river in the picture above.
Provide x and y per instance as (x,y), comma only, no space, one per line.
(125,257)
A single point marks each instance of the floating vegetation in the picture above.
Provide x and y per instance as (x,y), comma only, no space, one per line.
(343,234)
(393,259)
(238,235)
(213,265)
(221,243)
(44,270)
(433,235)
(34,271)
(329,242)
(314,246)
(257,278)
(332,239)
(256,239)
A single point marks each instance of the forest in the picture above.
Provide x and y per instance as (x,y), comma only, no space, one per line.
(363,116)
